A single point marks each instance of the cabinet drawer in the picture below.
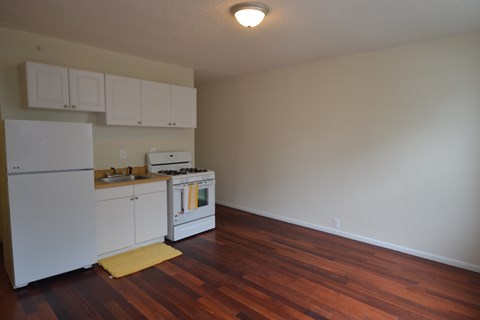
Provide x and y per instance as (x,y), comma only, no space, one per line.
(150,187)
(113,193)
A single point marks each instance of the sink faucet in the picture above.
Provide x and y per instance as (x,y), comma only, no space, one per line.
(114,171)
(130,170)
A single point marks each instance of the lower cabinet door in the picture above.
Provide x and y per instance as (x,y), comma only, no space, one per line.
(150,216)
(115,220)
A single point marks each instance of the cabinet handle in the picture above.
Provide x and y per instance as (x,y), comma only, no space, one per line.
(65,106)
(74,107)
(136,198)
(169,123)
(132,198)
(139,122)
(174,124)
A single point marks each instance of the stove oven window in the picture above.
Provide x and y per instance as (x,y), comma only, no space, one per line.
(202,197)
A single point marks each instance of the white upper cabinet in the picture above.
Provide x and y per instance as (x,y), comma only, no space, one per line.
(47,86)
(54,87)
(87,90)
(133,102)
(156,104)
(124,101)
(184,107)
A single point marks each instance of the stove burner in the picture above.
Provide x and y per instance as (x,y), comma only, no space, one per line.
(181,171)
(192,170)
(171,172)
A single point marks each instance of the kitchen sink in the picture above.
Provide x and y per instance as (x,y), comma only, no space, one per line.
(123,178)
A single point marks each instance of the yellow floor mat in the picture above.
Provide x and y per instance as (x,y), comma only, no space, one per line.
(138,259)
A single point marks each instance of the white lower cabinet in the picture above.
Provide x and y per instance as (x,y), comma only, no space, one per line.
(131,215)
(150,211)
(115,219)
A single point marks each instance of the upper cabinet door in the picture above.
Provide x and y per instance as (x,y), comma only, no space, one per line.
(184,107)
(123,97)
(47,86)
(87,90)
(156,104)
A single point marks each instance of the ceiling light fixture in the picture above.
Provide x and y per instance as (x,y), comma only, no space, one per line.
(249,14)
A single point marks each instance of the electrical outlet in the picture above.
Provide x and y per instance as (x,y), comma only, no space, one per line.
(123,154)
(153,149)
(337,223)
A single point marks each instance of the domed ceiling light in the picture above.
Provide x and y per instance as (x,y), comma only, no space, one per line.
(249,14)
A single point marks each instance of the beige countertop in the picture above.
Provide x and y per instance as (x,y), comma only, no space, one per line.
(99,184)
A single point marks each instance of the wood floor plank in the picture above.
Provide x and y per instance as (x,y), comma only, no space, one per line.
(252,267)
(140,299)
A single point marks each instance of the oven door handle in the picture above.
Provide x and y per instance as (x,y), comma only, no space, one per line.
(200,184)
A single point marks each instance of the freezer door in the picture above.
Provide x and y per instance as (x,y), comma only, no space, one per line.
(52,223)
(42,146)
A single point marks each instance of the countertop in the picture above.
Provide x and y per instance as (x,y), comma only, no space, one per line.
(99,184)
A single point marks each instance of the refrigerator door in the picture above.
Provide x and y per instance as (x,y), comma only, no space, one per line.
(42,146)
(52,219)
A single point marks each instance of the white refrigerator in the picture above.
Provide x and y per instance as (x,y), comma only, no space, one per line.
(48,226)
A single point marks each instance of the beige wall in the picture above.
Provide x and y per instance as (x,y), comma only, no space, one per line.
(17,47)
(389,142)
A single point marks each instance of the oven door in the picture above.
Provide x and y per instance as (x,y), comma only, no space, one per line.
(205,203)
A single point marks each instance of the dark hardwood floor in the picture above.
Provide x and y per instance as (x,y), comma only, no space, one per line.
(252,267)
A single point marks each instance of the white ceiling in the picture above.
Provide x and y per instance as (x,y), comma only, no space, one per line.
(203,35)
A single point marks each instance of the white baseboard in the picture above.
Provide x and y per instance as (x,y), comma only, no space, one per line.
(413,252)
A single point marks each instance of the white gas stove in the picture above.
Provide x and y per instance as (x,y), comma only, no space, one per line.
(191,193)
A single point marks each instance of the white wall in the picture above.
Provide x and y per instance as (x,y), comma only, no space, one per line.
(17,47)
(389,142)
